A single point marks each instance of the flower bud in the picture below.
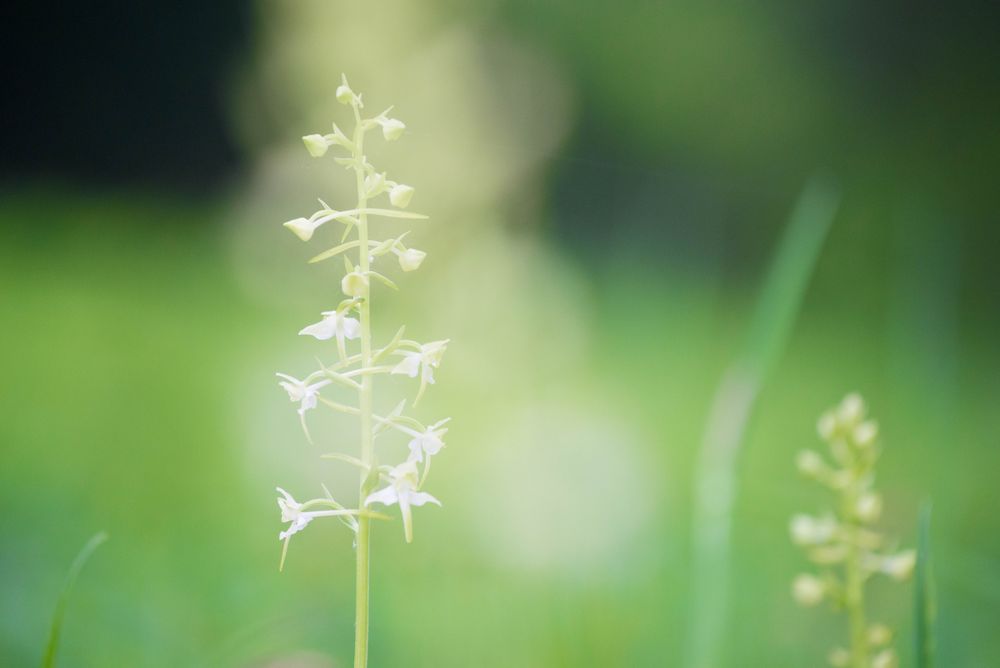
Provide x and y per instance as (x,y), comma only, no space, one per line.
(374,184)
(827,426)
(868,507)
(354,284)
(851,409)
(316,145)
(344,93)
(839,657)
(900,566)
(809,463)
(808,530)
(400,195)
(885,659)
(808,590)
(410,259)
(392,128)
(879,635)
(302,227)
(864,434)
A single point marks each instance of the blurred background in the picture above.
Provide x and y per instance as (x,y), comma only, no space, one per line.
(609,184)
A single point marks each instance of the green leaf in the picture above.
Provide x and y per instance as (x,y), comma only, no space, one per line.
(732,411)
(923,593)
(82,556)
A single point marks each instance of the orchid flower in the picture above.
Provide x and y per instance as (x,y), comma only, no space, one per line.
(422,361)
(304,227)
(334,324)
(427,442)
(292,511)
(305,394)
(403,490)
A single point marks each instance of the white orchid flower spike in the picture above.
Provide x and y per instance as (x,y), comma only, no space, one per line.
(403,490)
(303,393)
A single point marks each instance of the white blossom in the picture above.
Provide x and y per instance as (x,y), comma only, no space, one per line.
(304,227)
(885,659)
(344,93)
(402,489)
(865,433)
(868,507)
(400,195)
(334,323)
(292,512)
(808,590)
(810,463)
(411,259)
(428,442)
(899,566)
(807,530)
(392,128)
(354,284)
(316,145)
(306,395)
(299,391)
(423,362)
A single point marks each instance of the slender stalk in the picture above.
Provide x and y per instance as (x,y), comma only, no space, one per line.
(365,405)
(854,594)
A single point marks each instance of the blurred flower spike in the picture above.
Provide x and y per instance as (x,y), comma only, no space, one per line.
(845,545)
(354,372)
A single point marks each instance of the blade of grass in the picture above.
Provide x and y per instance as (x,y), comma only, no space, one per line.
(49,659)
(715,477)
(923,593)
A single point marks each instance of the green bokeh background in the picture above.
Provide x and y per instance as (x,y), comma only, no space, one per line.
(595,296)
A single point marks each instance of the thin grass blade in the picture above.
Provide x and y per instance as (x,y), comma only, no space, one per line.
(49,659)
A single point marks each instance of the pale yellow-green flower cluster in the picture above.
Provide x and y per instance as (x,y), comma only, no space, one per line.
(843,543)
(353,372)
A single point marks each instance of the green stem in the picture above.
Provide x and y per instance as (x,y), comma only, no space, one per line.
(854,595)
(365,405)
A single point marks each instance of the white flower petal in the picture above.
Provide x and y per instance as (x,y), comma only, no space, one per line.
(416,450)
(322,330)
(409,366)
(387,497)
(351,328)
(420,498)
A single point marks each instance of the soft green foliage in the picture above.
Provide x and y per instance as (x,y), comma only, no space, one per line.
(844,544)
(163,427)
(356,371)
(777,307)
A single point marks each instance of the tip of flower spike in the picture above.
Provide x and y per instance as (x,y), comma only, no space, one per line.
(316,145)
(302,228)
